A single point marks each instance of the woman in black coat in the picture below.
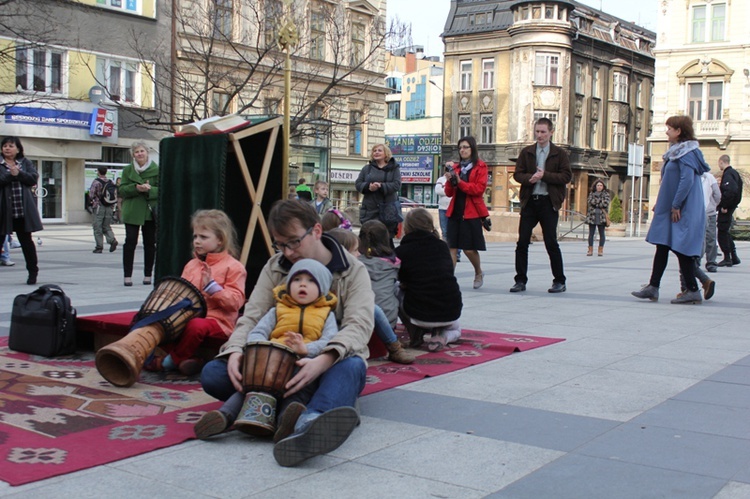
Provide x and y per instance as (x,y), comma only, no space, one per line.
(431,297)
(18,208)
(380,182)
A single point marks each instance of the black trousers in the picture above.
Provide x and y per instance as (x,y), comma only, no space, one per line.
(687,267)
(539,210)
(27,245)
(149,247)
(723,224)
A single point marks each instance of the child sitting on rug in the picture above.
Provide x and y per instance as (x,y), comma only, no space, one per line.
(382,265)
(303,320)
(430,295)
(221,278)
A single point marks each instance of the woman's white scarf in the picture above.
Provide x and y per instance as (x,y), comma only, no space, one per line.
(140,169)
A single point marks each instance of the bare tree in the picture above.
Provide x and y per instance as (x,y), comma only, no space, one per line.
(229,60)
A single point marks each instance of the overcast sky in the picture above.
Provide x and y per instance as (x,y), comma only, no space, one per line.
(427,17)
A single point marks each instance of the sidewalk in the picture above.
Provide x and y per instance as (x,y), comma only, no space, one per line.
(641,400)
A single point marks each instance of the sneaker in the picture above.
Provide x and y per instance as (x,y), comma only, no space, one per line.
(210,424)
(322,435)
(7,263)
(478,280)
(287,421)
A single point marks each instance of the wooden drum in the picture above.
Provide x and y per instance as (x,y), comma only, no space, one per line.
(170,305)
(267,368)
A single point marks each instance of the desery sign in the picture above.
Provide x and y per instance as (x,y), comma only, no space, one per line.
(414,144)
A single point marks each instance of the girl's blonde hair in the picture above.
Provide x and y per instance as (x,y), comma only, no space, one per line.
(419,219)
(219,223)
(346,238)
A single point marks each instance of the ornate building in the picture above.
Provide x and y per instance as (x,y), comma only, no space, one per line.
(509,63)
(703,70)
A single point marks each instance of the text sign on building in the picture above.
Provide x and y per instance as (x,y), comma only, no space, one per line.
(415,169)
(414,144)
(47,117)
(102,122)
(344,176)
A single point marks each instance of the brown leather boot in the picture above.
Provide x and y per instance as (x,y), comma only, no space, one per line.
(396,353)
(590,251)
(601,250)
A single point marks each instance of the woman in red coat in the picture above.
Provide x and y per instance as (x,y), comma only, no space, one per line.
(466,182)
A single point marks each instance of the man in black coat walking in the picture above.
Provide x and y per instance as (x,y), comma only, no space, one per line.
(731,195)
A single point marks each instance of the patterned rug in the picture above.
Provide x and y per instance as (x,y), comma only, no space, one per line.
(59,415)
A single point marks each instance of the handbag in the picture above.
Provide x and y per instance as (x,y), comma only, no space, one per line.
(606,217)
(390,213)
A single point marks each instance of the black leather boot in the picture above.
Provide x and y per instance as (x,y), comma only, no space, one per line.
(726,262)
(735,258)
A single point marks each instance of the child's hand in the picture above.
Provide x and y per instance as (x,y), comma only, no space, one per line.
(205,274)
(296,343)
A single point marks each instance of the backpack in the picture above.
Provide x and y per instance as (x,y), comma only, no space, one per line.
(43,323)
(108,197)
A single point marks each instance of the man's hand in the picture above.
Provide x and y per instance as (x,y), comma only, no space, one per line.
(309,371)
(537,176)
(233,370)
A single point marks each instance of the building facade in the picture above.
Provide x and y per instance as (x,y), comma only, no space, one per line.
(73,87)
(228,60)
(509,63)
(413,124)
(703,71)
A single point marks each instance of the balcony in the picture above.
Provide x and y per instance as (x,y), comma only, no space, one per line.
(717,130)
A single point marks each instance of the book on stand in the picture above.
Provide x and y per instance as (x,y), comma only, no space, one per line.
(214,124)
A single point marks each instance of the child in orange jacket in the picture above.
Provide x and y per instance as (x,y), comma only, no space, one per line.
(221,279)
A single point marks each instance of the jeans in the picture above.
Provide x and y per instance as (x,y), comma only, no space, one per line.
(103,225)
(444,228)
(5,256)
(602,239)
(538,211)
(339,386)
(383,328)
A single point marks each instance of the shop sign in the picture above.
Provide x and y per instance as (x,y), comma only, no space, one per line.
(102,122)
(47,117)
(414,144)
(415,169)
(344,176)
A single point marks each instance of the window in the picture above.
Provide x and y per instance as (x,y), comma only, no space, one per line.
(577,132)
(118,77)
(639,93)
(488,128)
(394,84)
(464,125)
(358,44)
(546,69)
(274,12)
(579,78)
(595,82)
(394,110)
(702,31)
(219,104)
(39,70)
(488,74)
(417,103)
(620,87)
(465,76)
(317,35)
(594,135)
(618,137)
(355,132)
(550,115)
(705,96)
(222,19)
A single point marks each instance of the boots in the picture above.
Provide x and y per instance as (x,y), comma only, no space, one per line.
(590,251)
(601,250)
(396,353)
(688,298)
(647,292)
(727,261)
(735,258)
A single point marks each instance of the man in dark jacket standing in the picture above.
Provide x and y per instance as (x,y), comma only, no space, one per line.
(543,170)
(731,195)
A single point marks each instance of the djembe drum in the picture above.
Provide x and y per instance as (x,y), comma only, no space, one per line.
(267,368)
(162,317)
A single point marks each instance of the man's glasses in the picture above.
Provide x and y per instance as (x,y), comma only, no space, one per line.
(293,244)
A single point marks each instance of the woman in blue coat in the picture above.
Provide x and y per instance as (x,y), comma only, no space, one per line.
(679,219)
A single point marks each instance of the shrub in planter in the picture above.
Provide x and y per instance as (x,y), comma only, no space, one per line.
(615,211)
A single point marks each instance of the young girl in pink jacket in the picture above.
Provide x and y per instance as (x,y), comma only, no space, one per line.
(221,279)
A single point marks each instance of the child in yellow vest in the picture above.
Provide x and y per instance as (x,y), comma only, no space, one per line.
(302,319)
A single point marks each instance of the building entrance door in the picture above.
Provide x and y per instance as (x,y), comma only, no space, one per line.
(49,189)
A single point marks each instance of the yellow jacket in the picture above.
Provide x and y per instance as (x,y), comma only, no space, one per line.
(307,320)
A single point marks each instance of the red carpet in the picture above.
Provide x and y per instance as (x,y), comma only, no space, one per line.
(59,415)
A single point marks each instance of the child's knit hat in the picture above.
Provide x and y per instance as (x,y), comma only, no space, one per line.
(320,274)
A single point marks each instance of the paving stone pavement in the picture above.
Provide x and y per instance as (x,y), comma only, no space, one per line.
(642,399)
